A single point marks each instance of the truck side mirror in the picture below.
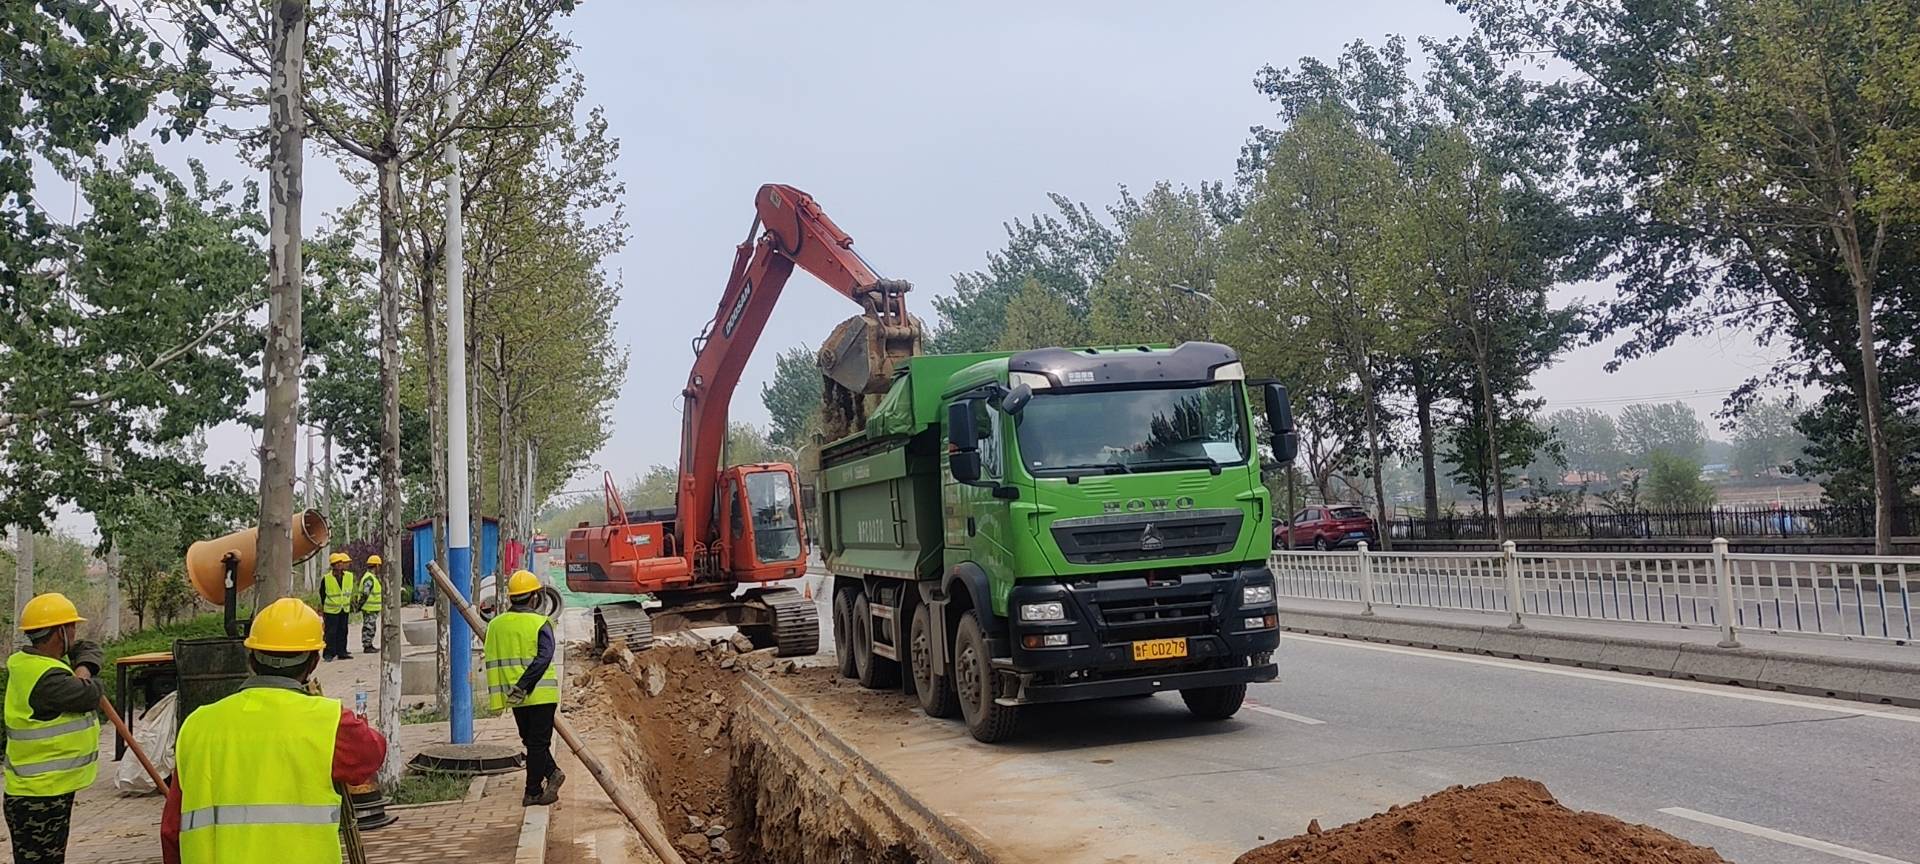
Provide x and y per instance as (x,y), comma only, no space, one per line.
(1016,398)
(1286,439)
(963,442)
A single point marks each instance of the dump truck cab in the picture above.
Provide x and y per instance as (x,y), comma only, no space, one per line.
(1098,523)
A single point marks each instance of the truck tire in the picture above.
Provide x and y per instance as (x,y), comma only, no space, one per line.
(932,684)
(988,721)
(1214,703)
(843,632)
(871,670)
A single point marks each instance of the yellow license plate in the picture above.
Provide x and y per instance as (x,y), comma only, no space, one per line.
(1159,649)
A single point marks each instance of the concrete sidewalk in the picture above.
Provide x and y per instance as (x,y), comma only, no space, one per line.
(1868,671)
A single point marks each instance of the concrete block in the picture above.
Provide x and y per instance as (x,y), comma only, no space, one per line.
(1518,644)
(419,632)
(1741,666)
(1897,685)
(418,676)
(1811,676)
(1656,658)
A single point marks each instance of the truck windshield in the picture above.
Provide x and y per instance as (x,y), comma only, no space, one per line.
(776,527)
(1127,431)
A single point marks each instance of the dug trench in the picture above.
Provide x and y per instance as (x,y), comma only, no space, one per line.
(737,772)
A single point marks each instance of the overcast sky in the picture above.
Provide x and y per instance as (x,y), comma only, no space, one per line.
(921,129)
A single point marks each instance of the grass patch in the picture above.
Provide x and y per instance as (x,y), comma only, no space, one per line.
(426,787)
(430,714)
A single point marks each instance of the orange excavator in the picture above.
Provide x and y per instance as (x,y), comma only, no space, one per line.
(740,526)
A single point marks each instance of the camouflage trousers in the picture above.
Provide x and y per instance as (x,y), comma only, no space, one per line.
(39,827)
(369,624)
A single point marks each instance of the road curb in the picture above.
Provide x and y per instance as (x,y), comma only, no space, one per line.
(533,836)
(1882,682)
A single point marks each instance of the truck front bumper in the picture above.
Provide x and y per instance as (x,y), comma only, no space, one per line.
(1204,613)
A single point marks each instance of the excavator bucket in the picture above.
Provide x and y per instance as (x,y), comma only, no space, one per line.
(858,360)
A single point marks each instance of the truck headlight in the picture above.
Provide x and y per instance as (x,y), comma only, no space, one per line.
(1052,610)
(1256,595)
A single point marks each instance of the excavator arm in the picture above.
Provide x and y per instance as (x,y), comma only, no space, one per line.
(788,229)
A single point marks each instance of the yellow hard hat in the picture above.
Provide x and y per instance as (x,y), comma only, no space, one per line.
(51,609)
(374,561)
(287,624)
(339,558)
(523,582)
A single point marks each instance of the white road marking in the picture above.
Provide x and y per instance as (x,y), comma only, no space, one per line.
(1721,691)
(1284,715)
(1834,849)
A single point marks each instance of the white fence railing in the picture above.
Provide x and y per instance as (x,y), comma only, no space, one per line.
(1851,596)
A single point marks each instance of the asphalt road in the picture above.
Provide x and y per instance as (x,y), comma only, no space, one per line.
(1352,728)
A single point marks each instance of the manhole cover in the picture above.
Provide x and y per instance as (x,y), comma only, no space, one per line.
(469,758)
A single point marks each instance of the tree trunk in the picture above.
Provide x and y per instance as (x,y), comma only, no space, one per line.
(22,576)
(1886,493)
(110,628)
(1383,527)
(1496,482)
(281,361)
(503,451)
(437,433)
(389,531)
(1423,416)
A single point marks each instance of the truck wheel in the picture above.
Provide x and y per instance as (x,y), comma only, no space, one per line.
(931,683)
(988,721)
(843,632)
(1214,703)
(873,671)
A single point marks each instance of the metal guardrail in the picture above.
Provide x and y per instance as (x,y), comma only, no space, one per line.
(1846,596)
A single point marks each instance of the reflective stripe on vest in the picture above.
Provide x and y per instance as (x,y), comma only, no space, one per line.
(513,640)
(371,586)
(46,757)
(336,591)
(256,779)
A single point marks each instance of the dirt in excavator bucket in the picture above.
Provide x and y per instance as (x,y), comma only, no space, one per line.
(857,362)
(1511,821)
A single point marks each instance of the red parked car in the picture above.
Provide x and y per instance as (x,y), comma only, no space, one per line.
(1330,527)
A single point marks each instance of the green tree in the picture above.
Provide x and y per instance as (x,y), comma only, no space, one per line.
(1765,439)
(1156,288)
(1750,163)
(1592,441)
(1314,262)
(1038,318)
(1521,442)
(1649,428)
(1673,483)
(792,398)
(1064,251)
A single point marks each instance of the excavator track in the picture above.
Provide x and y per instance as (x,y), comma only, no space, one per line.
(796,622)
(622,624)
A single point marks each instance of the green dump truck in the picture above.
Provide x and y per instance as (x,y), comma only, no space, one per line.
(1056,525)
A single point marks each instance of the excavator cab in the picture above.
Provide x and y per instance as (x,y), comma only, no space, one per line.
(764,537)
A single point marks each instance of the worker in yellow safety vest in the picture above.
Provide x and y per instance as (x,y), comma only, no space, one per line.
(337,587)
(520,674)
(370,600)
(53,735)
(255,772)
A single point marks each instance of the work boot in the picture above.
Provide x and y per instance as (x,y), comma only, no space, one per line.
(547,796)
(555,779)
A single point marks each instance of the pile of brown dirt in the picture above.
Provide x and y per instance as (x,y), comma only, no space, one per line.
(1510,821)
(673,706)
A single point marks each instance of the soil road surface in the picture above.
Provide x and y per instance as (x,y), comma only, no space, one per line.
(1352,728)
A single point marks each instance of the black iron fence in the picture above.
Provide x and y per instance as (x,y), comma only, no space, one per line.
(1727,522)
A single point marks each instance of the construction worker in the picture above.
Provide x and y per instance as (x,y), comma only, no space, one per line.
(336,598)
(255,773)
(370,602)
(520,674)
(53,735)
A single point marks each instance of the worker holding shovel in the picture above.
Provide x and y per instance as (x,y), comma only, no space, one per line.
(53,737)
(520,674)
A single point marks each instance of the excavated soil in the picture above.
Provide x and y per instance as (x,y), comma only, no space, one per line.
(1510,821)
(731,779)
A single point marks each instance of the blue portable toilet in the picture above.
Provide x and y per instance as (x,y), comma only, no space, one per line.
(419,550)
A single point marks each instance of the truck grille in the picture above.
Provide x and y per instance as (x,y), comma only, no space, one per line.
(1142,537)
(1157,617)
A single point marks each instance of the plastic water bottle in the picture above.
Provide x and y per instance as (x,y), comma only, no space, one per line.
(360,703)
